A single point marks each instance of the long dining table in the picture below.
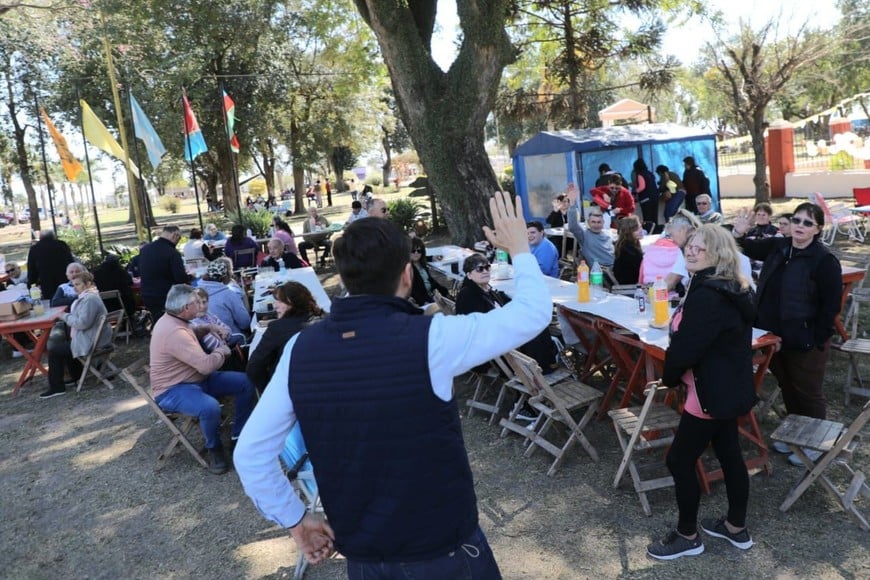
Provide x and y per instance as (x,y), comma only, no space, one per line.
(615,333)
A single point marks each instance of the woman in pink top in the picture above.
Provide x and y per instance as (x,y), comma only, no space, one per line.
(285,234)
(711,354)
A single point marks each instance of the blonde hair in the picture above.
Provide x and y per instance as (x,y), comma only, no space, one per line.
(722,252)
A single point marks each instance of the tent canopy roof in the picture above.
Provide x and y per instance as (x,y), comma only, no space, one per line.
(548,142)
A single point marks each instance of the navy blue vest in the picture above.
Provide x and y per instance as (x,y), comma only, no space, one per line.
(388,454)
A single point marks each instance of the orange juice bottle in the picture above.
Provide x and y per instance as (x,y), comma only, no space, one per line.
(660,302)
(583,282)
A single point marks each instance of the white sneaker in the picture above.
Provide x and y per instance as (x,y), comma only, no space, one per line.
(17,354)
(811,453)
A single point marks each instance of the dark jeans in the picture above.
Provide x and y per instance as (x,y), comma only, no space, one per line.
(200,400)
(472,561)
(800,376)
(60,358)
(673,204)
(692,438)
(306,245)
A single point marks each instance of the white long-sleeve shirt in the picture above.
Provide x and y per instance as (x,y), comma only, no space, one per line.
(456,344)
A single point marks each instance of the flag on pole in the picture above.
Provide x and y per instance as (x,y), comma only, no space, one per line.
(99,136)
(194,144)
(145,131)
(71,166)
(230,112)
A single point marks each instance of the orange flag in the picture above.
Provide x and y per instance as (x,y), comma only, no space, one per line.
(71,166)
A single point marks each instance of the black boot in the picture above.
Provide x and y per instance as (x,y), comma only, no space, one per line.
(217,461)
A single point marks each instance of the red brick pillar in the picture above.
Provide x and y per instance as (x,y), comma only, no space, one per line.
(838,126)
(780,155)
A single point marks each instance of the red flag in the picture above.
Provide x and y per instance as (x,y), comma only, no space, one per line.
(230,112)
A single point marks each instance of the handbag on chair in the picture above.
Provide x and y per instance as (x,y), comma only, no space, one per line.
(58,337)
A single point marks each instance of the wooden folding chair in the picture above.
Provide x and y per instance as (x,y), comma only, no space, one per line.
(856,348)
(502,372)
(447,306)
(113,301)
(179,425)
(559,402)
(98,360)
(644,429)
(837,445)
(250,253)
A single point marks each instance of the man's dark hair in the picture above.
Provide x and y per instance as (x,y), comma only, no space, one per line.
(603,168)
(371,255)
(690,161)
(355,204)
(535,224)
(615,178)
(171,230)
(662,169)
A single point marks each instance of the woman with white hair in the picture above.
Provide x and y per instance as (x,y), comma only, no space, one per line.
(706,213)
(66,293)
(664,257)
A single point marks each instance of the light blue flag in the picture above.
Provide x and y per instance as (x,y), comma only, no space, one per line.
(146,132)
(194,143)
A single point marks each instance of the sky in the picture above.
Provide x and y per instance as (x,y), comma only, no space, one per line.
(685,41)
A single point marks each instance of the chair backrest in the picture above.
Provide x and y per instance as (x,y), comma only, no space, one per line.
(112,299)
(101,323)
(114,320)
(522,366)
(447,306)
(819,200)
(861,195)
(245,258)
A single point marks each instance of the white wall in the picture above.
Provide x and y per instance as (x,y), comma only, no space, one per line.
(831,184)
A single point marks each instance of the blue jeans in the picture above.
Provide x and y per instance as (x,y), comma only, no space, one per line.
(200,400)
(472,561)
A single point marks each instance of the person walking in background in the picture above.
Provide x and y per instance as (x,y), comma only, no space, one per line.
(161,266)
(645,190)
(405,419)
(47,261)
(671,191)
(695,182)
(711,354)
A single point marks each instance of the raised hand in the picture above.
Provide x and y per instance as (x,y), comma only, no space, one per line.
(314,538)
(571,191)
(742,221)
(510,231)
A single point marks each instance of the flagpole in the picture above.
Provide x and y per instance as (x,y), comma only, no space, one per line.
(190,156)
(48,182)
(134,196)
(230,149)
(90,175)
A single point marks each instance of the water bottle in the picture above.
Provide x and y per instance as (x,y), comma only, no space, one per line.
(583,282)
(660,302)
(282,267)
(36,300)
(501,265)
(596,276)
(640,298)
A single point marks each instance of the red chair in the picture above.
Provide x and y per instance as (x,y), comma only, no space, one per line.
(862,197)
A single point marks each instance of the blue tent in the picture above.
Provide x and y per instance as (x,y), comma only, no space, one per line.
(546,163)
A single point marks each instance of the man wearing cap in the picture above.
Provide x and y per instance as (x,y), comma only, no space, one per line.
(184,379)
(222,301)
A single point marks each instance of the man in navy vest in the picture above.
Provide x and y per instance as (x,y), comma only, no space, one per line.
(387,445)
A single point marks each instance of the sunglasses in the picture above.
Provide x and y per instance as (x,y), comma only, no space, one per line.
(806,223)
(417,251)
(10,270)
(482,268)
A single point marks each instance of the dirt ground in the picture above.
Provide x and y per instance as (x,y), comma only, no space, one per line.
(81,499)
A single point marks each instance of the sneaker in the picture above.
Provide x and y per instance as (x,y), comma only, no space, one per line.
(781,447)
(718,529)
(217,461)
(17,354)
(52,393)
(675,546)
(811,453)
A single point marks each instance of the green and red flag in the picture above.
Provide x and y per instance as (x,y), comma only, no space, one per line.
(230,112)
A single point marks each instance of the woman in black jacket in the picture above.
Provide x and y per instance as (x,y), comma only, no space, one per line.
(296,309)
(476,295)
(799,293)
(627,252)
(423,285)
(711,354)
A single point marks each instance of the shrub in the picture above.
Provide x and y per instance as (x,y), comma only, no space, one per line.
(374,181)
(841,161)
(258,221)
(403,212)
(170,203)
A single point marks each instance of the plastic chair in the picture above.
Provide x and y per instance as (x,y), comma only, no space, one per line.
(838,219)
(298,469)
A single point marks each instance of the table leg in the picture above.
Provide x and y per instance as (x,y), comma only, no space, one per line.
(33,359)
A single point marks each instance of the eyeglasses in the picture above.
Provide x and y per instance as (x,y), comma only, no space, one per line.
(10,270)
(417,251)
(695,249)
(482,268)
(806,223)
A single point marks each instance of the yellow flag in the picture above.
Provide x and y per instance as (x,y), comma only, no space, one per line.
(99,136)
(71,165)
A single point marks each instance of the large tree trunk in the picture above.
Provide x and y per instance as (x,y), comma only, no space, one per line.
(298,169)
(445,113)
(24,168)
(756,131)
(388,158)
